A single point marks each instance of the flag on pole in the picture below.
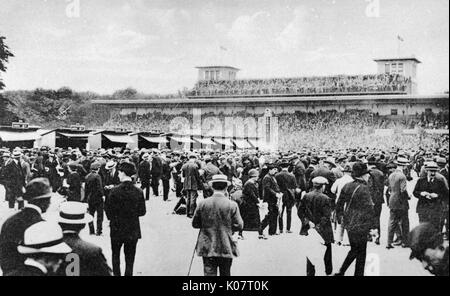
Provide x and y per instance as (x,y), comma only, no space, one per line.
(400,38)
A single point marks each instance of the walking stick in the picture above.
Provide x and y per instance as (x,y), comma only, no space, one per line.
(193,253)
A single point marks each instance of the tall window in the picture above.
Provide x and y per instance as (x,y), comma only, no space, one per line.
(387,68)
(394,68)
(206,75)
(400,68)
(217,75)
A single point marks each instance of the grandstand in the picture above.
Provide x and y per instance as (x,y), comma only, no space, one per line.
(329,111)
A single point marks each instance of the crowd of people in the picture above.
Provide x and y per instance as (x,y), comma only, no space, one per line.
(355,128)
(340,84)
(334,190)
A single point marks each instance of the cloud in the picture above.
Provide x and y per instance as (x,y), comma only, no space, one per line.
(246,31)
(294,34)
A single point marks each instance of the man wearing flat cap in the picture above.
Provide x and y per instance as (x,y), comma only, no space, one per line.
(288,185)
(428,246)
(218,218)
(398,203)
(14,180)
(317,209)
(192,183)
(432,194)
(145,175)
(272,195)
(38,193)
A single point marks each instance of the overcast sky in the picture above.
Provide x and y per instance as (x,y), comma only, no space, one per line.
(153,46)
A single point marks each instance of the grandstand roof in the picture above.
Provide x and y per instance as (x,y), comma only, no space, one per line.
(268,99)
(209,67)
(412,58)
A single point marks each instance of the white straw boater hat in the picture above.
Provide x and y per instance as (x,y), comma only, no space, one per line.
(44,237)
(73,212)
(219,178)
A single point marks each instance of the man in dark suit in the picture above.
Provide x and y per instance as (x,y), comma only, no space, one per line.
(324,170)
(123,208)
(192,183)
(272,195)
(165,176)
(217,217)
(443,165)
(111,178)
(14,180)
(156,172)
(144,175)
(432,193)
(298,169)
(38,193)
(376,186)
(72,219)
(287,183)
(94,197)
(318,211)
(398,203)
(74,183)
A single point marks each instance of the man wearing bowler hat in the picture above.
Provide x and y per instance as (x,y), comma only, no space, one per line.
(94,197)
(272,195)
(123,208)
(73,217)
(356,207)
(217,217)
(44,250)
(432,194)
(38,193)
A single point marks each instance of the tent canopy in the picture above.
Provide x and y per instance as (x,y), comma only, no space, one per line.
(226,141)
(242,144)
(119,138)
(182,139)
(73,135)
(8,136)
(205,141)
(155,139)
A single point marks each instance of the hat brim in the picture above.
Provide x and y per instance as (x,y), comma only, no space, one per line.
(61,248)
(210,183)
(87,219)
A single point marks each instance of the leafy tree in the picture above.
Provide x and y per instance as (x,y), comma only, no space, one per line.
(5,54)
(125,94)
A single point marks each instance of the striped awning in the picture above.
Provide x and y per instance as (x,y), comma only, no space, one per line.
(182,139)
(155,139)
(8,136)
(119,138)
(205,141)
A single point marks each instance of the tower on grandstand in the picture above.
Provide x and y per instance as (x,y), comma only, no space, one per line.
(217,73)
(406,66)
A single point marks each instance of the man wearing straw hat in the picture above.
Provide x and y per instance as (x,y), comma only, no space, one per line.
(217,217)
(432,194)
(73,217)
(44,250)
(38,193)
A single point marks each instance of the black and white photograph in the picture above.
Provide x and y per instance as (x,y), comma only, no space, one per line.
(242,138)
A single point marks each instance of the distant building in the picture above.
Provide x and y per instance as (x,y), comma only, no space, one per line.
(406,67)
(217,73)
